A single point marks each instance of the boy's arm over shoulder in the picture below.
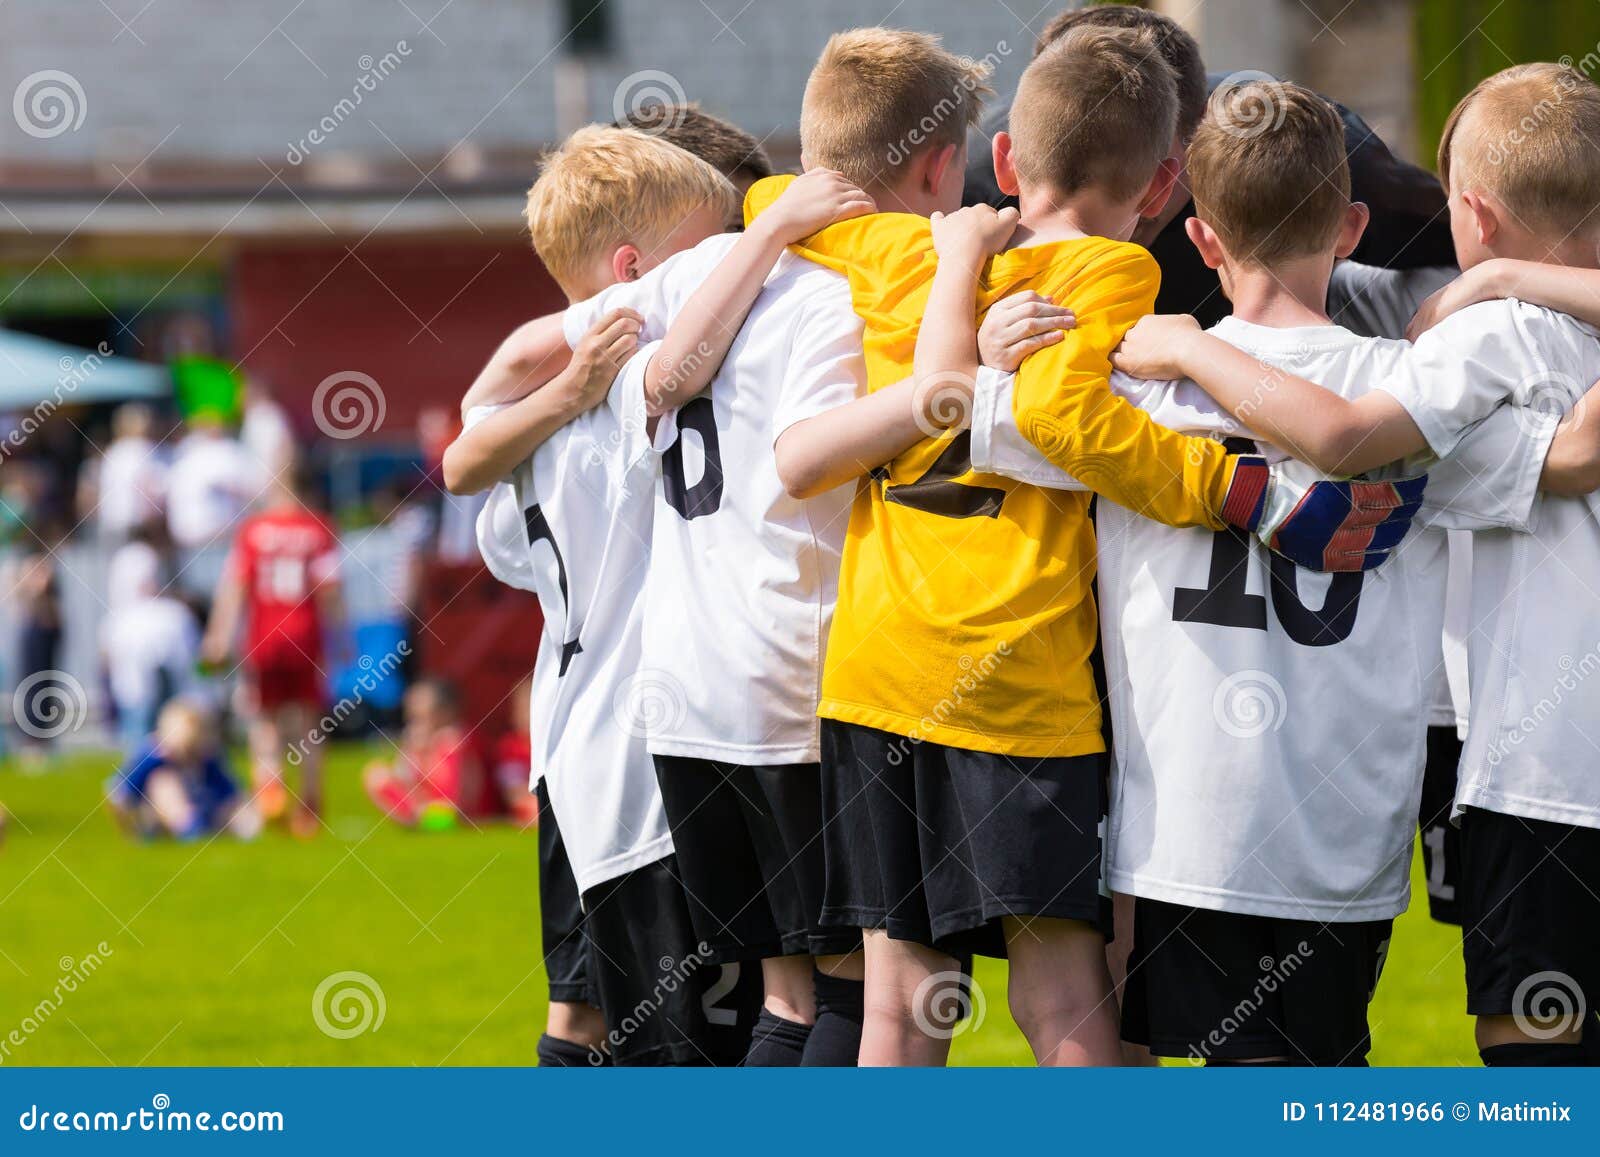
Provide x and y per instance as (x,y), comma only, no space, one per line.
(1065,406)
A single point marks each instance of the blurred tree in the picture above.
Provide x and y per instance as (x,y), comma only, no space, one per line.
(1459,42)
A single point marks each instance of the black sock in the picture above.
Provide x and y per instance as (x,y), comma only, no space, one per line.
(1534,1055)
(776,1043)
(555,1053)
(835,1039)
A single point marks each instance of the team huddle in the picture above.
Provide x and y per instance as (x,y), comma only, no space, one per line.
(913,592)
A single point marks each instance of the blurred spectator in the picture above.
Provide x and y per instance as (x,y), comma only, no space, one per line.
(513,760)
(125,489)
(280,584)
(151,644)
(213,482)
(266,432)
(176,784)
(36,595)
(438,777)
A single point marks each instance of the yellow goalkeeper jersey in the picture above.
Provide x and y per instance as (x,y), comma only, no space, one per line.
(965,614)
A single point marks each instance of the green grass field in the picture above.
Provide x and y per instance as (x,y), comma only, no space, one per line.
(213,952)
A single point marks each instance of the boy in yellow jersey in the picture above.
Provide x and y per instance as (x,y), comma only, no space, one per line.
(962,755)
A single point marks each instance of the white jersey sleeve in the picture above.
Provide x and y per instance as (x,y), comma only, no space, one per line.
(1469,364)
(826,368)
(656,297)
(998,446)
(1377,302)
(1491,479)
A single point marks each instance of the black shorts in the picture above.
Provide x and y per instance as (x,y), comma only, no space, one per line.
(665,1001)
(1441,839)
(937,844)
(1210,985)
(1530,918)
(566,951)
(749,851)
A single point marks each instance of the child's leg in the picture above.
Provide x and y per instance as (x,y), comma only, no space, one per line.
(294,724)
(835,1038)
(1117,952)
(908,989)
(1060,991)
(266,764)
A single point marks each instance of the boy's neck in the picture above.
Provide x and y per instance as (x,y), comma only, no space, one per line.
(1046,216)
(1286,296)
(1577,252)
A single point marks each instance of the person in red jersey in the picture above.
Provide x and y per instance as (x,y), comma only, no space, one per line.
(281,585)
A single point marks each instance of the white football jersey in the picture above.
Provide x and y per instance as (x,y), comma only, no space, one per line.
(743,578)
(1534,650)
(1268,722)
(503,546)
(1372,301)
(582,507)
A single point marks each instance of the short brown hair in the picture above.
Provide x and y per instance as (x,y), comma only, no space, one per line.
(1528,136)
(1269,172)
(723,145)
(1173,41)
(1097,107)
(878,96)
(607,186)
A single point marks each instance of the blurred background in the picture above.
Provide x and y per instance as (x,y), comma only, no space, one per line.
(235,232)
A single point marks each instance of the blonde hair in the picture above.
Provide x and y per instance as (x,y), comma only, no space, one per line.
(185,724)
(1530,137)
(1269,172)
(879,96)
(1097,107)
(606,187)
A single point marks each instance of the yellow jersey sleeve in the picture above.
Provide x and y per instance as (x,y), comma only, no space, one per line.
(1064,405)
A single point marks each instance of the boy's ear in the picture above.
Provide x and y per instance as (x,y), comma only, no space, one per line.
(1205,239)
(1485,214)
(937,167)
(1159,190)
(1350,231)
(626,263)
(1005,169)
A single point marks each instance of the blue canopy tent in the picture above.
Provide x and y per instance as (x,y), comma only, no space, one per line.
(35,370)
